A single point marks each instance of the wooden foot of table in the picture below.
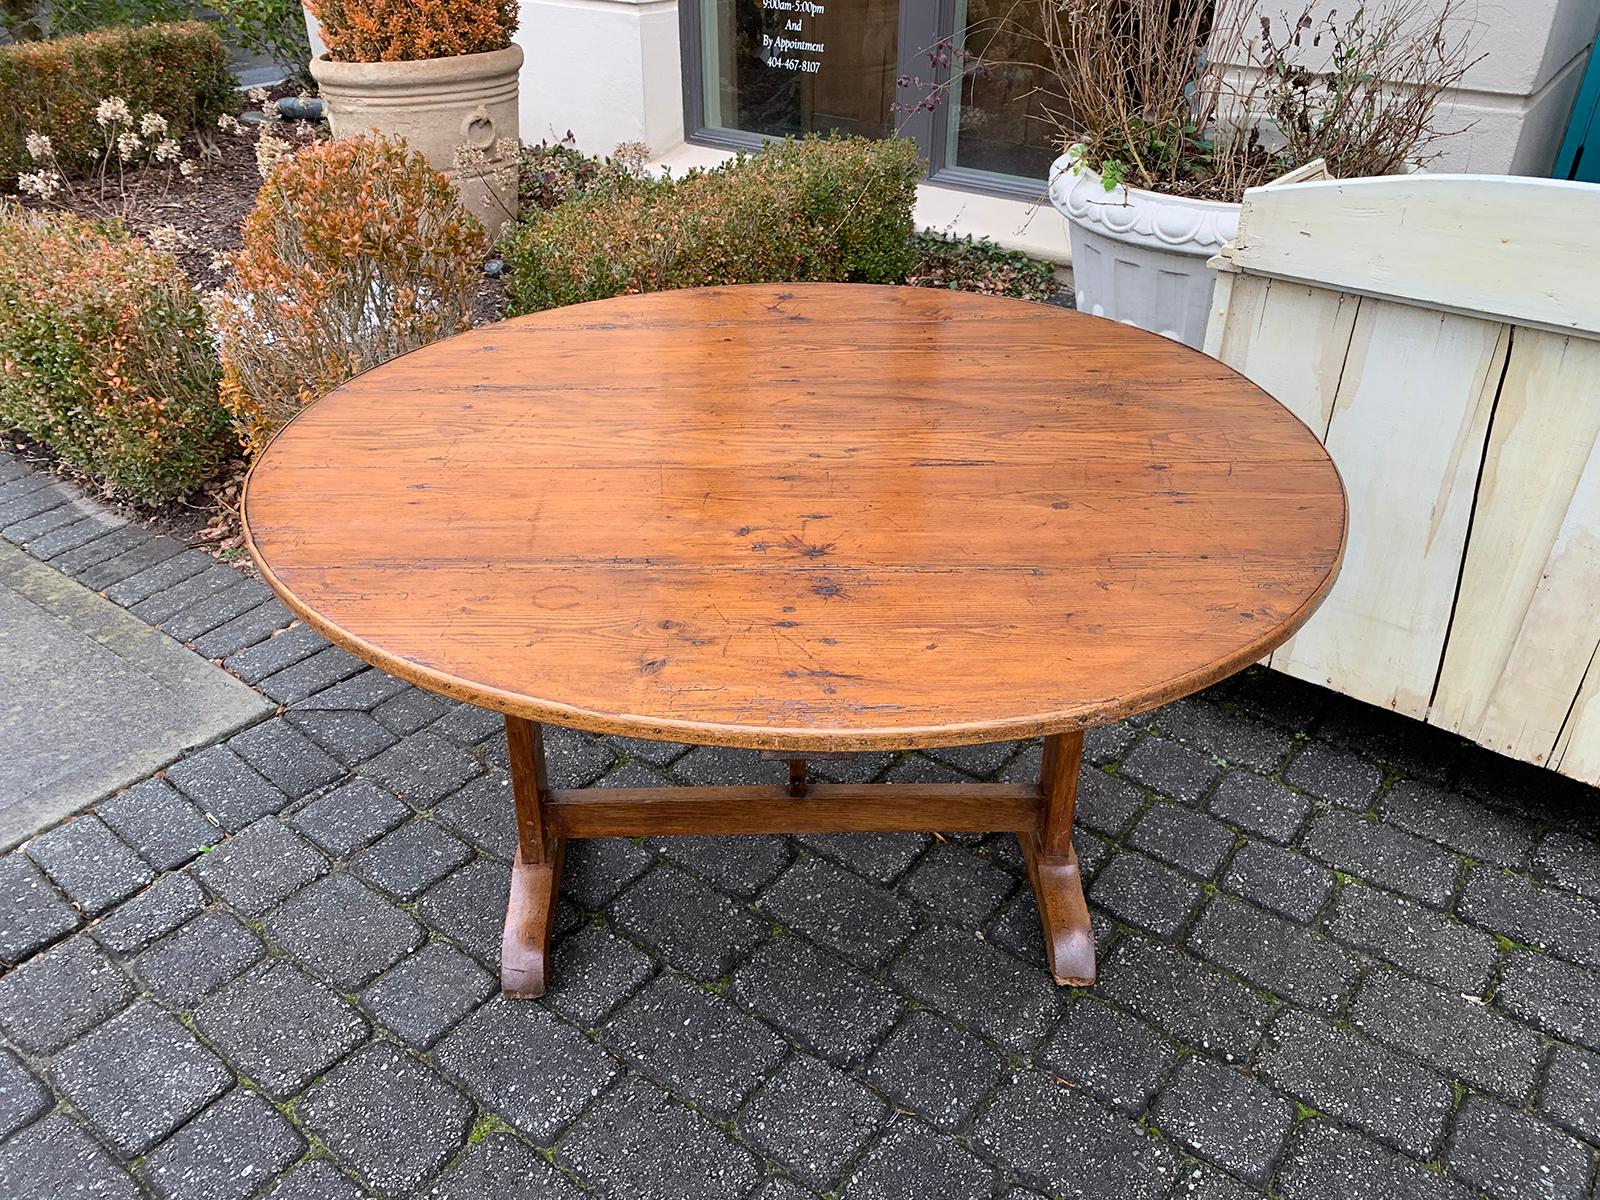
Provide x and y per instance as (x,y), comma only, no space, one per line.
(530,915)
(1058,888)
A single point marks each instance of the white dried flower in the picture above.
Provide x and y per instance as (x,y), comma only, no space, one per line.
(170,239)
(43,184)
(128,144)
(152,124)
(111,111)
(270,151)
(166,150)
(189,169)
(39,147)
(258,95)
(228,124)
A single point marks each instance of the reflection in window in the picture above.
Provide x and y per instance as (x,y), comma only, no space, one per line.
(999,120)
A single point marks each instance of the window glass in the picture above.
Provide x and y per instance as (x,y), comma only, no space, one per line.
(782,67)
(999,111)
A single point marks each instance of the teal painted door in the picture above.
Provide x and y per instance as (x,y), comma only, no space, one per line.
(1580,152)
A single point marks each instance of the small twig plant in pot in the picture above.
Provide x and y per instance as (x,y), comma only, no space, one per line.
(441,75)
(1170,109)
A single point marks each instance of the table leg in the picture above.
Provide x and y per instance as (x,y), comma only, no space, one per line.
(1053,866)
(536,874)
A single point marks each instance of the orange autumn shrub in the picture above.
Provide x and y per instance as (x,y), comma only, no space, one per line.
(105,357)
(356,251)
(403,30)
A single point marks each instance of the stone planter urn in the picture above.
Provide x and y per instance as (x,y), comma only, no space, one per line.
(1140,257)
(436,105)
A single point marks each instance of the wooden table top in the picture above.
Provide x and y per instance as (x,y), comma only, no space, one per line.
(802,517)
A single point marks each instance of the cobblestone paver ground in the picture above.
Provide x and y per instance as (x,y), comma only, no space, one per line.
(1342,955)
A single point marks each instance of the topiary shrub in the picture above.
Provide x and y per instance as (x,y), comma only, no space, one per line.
(823,209)
(356,251)
(179,70)
(405,30)
(105,357)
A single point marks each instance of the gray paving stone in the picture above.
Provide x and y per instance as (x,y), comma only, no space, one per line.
(260,866)
(91,864)
(1106,743)
(226,787)
(592,971)
(574,759)
(1058,1139)
(1389,857)
(1325,1161)
(225,1153)
(1184,838)
(981,761)
(1107,803)
(714,765)
(153,913)
(293,763)
(836,907)
(657,754)
(32,913)
(77,561)
(58,541)
(881,857)
(188,624)
(138,1077)
(468,725)
(915,767)
(1463,1038)
(1408,745)
(980,986)
(317,1179)
(1025,767)
(741,866)
(1279,879)
(469,908)
(817,999)
(1512,1156)
(278,652)
(935,1068)
(427,993)
(1535,916)
(29,529)
(1170,769)
(1357,1081)
(1112,1056)
(57,1159)
(812,1119)
(310,675)
(1198,1181)
(694,928)
(1570,1096)
(350,817)
(362,691)
(499,1167)
(633,774)
(1260,806)
(640,1144)
(167,573)
(58,996)
(1236,737)
(388,1117)
(1274,954)
(1467,826)
(484,812)
(343,932)
(695,1044)
(407,711)
(412,859)
(1225,1117)
(1557,997)
(1137,889)
(1570,862)
(911,1162)
(780,1187)
(959,884)
(1413,937)
(205,584)
(201,957)
(150,551)
(280,1027)
(248,628)
(519,1061)
(1192,1002)
(1334,775)
(22,1097)
(161,825)
(423,769)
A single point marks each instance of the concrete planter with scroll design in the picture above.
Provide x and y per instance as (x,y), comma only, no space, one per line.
(436,105)
(1140,257)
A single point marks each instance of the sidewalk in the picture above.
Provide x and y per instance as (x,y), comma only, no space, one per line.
(1342,955)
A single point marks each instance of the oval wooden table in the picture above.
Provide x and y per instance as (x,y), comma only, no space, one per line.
(802,518)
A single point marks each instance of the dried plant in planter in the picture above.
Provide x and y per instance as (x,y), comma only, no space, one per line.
(357,251)
(370,31)
(1206,98)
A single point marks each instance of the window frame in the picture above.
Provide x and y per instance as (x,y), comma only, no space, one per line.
(920,25)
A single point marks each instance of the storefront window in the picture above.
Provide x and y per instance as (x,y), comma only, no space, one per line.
(791,67)
(999,120)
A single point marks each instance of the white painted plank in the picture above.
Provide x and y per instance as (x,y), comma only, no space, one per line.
(1528,614)
(1502,248)
(1578,751)
(1407,435)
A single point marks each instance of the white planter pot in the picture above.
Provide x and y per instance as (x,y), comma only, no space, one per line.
(436,105)
(1140,257)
